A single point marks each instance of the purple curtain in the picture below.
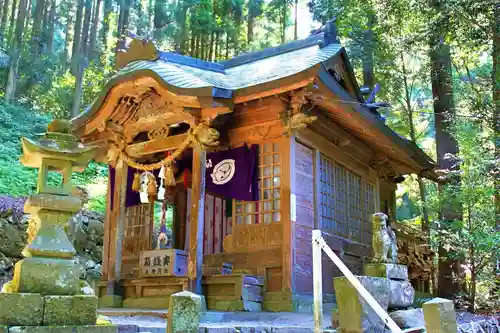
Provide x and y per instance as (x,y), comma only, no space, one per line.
(132,198)
(243,185)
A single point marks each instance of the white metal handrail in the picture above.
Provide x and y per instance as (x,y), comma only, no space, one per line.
(319,244)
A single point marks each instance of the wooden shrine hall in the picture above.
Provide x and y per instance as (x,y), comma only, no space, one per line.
(316,155)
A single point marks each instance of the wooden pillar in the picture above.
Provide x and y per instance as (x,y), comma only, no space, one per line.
(287,146)
(197,219)
(118,225)
(107,230)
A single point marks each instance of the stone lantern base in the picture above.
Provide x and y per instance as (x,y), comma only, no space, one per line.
(45,294)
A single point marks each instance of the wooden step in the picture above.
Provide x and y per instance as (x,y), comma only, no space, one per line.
(236,292)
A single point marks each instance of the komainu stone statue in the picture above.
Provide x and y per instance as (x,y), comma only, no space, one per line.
(383,239)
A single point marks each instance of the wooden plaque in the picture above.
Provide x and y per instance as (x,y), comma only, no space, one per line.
(165,262)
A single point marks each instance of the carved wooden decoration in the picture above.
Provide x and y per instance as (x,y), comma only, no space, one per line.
(295,119)
(137,50)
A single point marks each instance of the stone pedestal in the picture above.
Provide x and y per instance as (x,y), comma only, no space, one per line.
(355,315)
(440,316)
(402,293)
(390,271)
(184,313)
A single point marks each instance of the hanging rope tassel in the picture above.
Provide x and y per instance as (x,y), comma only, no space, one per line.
(169,175)
(136,185)
(152,186)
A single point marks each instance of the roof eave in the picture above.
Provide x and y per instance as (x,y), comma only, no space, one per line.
(413,151)
(208,91)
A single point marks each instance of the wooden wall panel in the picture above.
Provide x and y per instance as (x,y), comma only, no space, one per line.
(216,227)
(304,190)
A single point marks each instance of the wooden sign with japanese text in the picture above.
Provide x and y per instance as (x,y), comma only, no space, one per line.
(165,262)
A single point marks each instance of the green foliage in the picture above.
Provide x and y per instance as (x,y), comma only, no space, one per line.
(15,179)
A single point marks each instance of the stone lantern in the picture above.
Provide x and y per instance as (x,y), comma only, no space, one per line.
(45,292)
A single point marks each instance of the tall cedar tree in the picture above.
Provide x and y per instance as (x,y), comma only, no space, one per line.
(36,31)
(3,22)
(93,52)
(10,89)
(444,114)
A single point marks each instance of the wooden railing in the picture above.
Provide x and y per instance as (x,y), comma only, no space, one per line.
(318,245)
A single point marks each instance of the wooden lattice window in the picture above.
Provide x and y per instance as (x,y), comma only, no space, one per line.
(137,231)
(368,211)
(268,208)
(347,202)
(328,195)
(355,207)
(342,204)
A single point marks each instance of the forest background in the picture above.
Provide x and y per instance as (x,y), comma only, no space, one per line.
(436,62)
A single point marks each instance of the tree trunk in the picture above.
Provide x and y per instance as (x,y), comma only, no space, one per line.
(250,21)
(193,43)
(75,108)
(140,15)
(67,42)
(183,33)
(36,30)
(217,46)
(2,3)
(123,24)
(159,18)
(12,24)
(27,17)
(283,23)
(51,25)
(227,45)
(198,37)
(107,10)
(77,39)
(86,28)
(296,25)
(3,21)
(444,111)
(10,89)
(93,52)
(368,77)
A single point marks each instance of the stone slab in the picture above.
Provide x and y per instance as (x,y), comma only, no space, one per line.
(184,313)
(219,305)
(355,315)
(21,309)
(146,302)
(402,294)
(64,329)
(390,271)
(110,301)
(47,276)
(70,310)
(440,316)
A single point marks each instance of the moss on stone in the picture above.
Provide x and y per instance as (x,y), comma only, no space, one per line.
(47,276)
(70,310)
(20,309)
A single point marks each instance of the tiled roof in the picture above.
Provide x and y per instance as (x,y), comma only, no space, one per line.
(240,72)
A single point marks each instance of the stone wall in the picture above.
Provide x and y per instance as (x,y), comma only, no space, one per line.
(85,230)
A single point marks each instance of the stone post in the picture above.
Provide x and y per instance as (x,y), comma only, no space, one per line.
(46,290)
(440,316)
(184,312)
